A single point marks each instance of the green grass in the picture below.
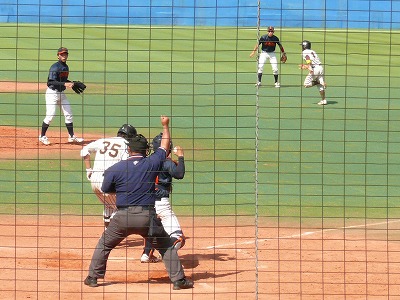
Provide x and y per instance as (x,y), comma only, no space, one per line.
(340,161)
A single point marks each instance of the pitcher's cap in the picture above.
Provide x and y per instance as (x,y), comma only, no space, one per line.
(62,50)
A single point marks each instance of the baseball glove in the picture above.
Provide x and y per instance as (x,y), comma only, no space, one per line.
(78,87)
(283,57)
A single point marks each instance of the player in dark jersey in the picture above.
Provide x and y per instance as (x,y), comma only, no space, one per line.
(57,82)
(268,44)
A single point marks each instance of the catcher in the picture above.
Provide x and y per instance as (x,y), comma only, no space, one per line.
(57,82)
(170,169)
(268,44)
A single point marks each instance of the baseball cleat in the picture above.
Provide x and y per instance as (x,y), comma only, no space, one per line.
(323,102)
(74,139)
(149,259)
(277,84)
(183,283)
(258,84)
(91,281)
(44,140)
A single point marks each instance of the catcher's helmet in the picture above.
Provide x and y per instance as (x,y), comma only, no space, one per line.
(306,44)
(138,143)
(128,130)
(156,143)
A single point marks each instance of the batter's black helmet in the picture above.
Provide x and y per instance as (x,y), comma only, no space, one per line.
(306,44)
(138,143)
(128,130)
(156,143)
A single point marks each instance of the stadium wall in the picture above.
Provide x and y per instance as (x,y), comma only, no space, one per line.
(372,14)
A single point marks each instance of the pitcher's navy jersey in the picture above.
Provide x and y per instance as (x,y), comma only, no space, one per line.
(58,75)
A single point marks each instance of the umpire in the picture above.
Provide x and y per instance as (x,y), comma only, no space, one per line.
(133,181)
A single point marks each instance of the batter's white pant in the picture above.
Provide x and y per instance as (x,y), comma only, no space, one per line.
(54,99)
(271,56)
(168,217)
(96,181)
(317,75)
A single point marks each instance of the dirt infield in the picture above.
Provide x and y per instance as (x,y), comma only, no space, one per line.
(14,87)
(47,257)
(18,142)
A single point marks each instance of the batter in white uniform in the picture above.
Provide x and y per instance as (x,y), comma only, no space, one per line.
(108,151)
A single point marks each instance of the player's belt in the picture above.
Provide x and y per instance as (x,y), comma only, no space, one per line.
(134,207)
(54,89)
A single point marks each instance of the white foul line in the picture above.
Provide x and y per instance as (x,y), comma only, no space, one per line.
(303,234)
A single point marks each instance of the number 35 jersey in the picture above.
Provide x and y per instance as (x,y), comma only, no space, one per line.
(108,151)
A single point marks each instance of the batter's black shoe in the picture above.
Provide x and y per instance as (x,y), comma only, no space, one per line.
(183,283)
(91,281)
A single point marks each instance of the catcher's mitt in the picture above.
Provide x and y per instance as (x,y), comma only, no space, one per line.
(283,58)
(78,87)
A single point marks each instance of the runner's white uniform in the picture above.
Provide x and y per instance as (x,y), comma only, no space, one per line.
(316,73)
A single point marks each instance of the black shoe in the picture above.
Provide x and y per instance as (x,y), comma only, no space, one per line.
(183,283)
(91,281)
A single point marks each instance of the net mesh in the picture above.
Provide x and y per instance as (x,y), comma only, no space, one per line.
(282,197)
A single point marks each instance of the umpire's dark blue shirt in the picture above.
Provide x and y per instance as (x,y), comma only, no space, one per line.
(133,180)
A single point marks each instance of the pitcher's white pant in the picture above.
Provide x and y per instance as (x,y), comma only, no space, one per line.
(272,59)
(317,76)
(108,200)
(168,218)
(54,99)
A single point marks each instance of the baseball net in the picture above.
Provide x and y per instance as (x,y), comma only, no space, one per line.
(282,198)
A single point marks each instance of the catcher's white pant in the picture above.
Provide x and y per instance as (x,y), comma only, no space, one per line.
(271,56)
(317,75)
(54,99)
(168,217)
(96,181)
